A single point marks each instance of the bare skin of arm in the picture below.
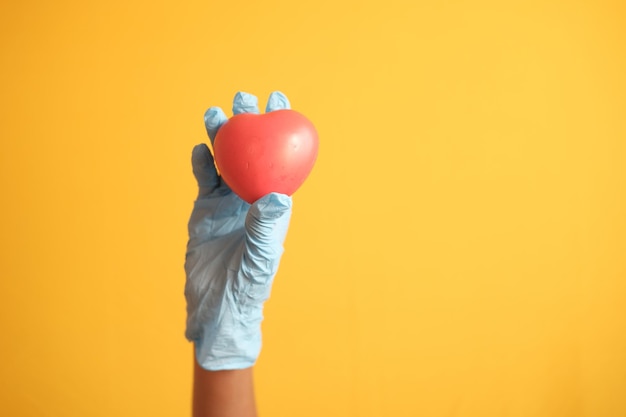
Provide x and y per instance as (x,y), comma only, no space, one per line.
(223,393)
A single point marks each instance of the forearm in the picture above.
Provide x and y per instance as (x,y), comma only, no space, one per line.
(223,393)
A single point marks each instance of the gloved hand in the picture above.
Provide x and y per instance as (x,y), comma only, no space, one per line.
(232,256)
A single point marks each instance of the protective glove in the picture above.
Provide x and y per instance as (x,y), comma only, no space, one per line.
(233,253)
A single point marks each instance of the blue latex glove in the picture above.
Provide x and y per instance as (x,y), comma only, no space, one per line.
(232,256)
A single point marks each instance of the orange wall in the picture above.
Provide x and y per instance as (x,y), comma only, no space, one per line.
(459,249)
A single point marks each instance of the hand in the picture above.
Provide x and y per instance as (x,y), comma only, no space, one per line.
(232,256)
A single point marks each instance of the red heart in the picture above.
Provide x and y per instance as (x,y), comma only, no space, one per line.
(262,153)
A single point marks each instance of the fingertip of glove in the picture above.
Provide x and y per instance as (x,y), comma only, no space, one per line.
(245,103)
(277,101)
(213,116)
(277,200)
(199,151)
(272,205)
(201,157)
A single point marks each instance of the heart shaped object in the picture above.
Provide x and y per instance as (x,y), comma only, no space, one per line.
(257,154)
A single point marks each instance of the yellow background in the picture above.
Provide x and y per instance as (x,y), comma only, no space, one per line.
(459,249)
